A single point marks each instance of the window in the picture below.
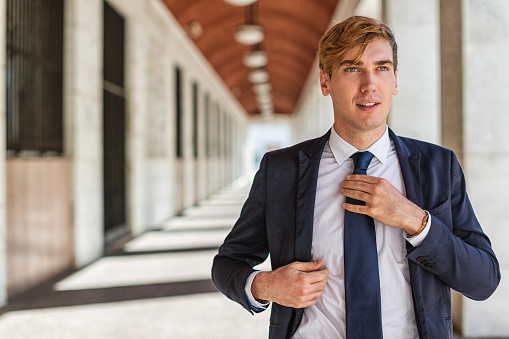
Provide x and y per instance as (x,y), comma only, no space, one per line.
(34,59)
(208,142)
(195,119)
(178,112)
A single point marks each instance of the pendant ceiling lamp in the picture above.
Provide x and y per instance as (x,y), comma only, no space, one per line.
(262,88)
(240,2)
(255,59)
(264,98)
(250,33)
(258,76)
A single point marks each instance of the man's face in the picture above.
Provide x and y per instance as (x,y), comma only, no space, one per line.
(362,93)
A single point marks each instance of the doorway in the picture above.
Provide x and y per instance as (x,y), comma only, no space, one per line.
(114,127)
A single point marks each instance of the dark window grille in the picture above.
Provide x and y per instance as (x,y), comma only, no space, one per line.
(178,111)
(208,143)
(195,119)
(34,62)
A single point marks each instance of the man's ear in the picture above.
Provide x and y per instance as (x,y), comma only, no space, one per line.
(324,83)
(395,91)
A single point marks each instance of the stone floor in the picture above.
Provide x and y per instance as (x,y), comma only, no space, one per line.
(157,286)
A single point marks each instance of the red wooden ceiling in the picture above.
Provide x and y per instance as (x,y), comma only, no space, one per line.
(292,31)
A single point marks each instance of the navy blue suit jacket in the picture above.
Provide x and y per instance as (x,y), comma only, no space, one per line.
(277,218)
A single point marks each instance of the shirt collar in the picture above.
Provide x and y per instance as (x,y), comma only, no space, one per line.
(342,150)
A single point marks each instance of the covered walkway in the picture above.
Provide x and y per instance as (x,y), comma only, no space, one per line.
(155,286)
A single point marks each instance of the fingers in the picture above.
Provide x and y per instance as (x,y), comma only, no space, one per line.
(307,266)
(371,190)
(299,284)
(363,178)
(308,294)
(364,183)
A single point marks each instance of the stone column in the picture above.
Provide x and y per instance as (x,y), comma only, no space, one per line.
(187,142)
(485,36)
(3,218)
(415,110)
(83,123)
(136,148)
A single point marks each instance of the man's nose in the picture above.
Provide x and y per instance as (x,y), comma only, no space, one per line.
(368,82)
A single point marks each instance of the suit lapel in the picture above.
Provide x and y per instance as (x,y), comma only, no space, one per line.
(410,169)
(309,163)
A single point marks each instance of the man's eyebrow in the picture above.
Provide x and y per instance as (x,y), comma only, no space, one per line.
(350,62)
(360,63)
(384,62)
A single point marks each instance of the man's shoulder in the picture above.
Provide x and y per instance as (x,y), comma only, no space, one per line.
(311,147)
(423,147)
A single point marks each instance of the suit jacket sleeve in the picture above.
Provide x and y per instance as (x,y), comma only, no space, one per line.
(456,250)
(246,246)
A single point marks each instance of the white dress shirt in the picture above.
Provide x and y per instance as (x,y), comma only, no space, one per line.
(326,319)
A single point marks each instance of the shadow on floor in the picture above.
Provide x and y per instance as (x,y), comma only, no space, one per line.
(45,296)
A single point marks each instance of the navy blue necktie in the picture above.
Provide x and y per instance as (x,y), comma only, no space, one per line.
(362,284)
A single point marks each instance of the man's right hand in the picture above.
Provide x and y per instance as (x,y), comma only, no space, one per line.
(296,285)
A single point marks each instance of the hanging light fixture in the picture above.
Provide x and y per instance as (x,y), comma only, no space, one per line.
(262,88)
(255,59)
(250,33)
(240,2)
(265,98)
(258,75)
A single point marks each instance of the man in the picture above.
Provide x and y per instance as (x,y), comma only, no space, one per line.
(413,204)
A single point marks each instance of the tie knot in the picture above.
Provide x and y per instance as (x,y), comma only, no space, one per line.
(361,161)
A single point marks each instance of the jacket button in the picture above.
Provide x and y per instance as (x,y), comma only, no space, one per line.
(420,259)
(428,265)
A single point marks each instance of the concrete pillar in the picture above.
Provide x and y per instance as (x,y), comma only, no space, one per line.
(135,85)
(83,123)
(201,182)
(3,218)
(485,28)
(188,159)
(415,110)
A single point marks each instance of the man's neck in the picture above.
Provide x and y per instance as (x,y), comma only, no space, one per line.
(361,140)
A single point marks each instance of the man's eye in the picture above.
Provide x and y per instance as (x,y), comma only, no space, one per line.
(351,69)
(383,68)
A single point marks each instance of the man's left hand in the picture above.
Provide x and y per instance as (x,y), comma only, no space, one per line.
(383,202)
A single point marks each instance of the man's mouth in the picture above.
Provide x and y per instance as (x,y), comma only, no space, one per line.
(369,104)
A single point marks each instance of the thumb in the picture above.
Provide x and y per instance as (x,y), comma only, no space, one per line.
(310,266)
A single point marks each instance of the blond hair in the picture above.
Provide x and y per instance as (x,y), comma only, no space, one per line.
(352,32)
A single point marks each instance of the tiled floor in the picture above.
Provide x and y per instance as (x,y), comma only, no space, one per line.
(158,286)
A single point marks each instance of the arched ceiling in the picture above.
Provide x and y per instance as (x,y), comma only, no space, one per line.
(292,31)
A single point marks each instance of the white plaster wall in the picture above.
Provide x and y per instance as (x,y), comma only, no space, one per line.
(314,114)
(155,44)
(415,110)
(3,220)
(486,147)
(370,8)
(83,122)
